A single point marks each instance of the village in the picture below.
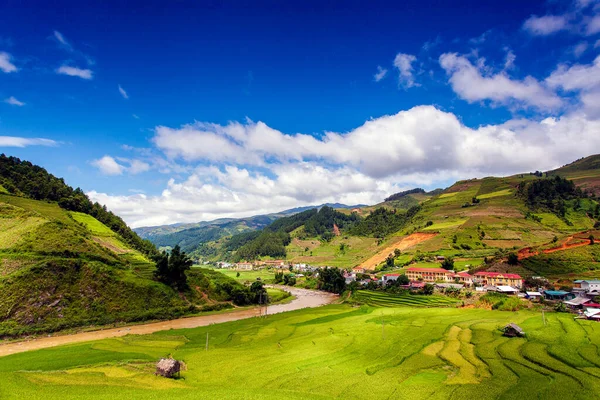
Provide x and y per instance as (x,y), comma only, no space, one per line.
(583,298)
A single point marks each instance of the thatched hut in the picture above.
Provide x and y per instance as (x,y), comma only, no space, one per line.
(168,367)
(513,330)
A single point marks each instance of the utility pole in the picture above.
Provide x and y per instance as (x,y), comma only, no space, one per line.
(544,317)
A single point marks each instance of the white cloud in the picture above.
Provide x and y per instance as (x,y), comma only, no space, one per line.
(579,49)
(135,116)
(137,167)
(63,41)
(583,79)
(74,71)
(14,102)
(264,170)
(545,25)
(123,92)
(14,141)
(403,62)
(108,166)
(380,74)
(593,26)
(472,84)
(509,61)
(5,63)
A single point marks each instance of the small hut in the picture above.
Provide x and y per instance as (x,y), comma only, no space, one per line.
(513,330)
(168,367)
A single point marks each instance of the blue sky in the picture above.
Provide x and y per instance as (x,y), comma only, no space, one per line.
(183,111)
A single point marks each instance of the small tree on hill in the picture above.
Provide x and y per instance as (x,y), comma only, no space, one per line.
(591,239)
(513,259)
(171,268)
(448,264)
(389,261)
(332,280)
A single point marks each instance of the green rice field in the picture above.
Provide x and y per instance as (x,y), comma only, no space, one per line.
(331,352)
(382,299)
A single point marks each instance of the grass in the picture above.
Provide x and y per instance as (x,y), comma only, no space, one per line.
(92,224)
(499,193)
(331,352)
(382,299)
(264,274)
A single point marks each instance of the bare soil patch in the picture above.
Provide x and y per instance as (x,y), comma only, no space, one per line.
(401,244)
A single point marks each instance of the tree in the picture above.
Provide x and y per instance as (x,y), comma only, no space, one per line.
(278,277)
(237,275)
(258,293)
(171,268)
(397,252)
(403,279)
(513,259)
(591,239)
(289,280)
(428,289)
(331,280)
(448,264)
(389,261)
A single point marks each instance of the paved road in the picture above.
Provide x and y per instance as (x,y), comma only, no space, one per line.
(304,299)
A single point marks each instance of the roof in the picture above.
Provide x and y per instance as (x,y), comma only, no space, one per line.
(506,289)
(555,292)
(438,270)
(592,305)
(595,281)
(515,327)
(533,293)
(392,275)
(464,274)
(577,301)
(497,274)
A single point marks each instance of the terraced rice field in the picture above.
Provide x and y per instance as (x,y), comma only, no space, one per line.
(381,299)
(331,352)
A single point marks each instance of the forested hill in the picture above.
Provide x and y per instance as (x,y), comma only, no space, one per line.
(22,178)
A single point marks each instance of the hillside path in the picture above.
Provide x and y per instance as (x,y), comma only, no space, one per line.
(401,244)
(304,299)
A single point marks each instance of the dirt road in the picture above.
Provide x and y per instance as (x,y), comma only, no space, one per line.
(401,244)
(304,299)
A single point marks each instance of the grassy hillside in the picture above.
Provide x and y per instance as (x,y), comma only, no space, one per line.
(62,268)
(326,353)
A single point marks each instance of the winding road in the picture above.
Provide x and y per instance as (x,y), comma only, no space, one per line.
(304,299)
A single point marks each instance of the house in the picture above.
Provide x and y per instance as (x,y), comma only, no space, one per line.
(498,279)
(589,288)
(358,270)
(513,330)
(440,258)
(506,289)
(558,295)
(274,263)
(449,286)
(592,313)
(430,274)
(244,266)
(533,295)
(439,275)
(389,277)
(577,302)
(464,278)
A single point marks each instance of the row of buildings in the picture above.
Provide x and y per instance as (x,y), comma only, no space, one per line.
(440,275)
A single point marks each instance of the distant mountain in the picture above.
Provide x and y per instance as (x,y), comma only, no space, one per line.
(192,236)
